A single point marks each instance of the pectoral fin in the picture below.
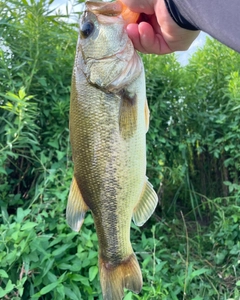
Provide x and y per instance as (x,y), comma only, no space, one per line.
(76,207)
(146,205)
(128,114)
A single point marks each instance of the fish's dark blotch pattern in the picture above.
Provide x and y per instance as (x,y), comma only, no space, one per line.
(127,114)
(105,220)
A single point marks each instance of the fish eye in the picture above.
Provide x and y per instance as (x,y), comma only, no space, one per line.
(86,29)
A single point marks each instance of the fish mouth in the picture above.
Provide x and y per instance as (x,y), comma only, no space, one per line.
(128,15)
(116,8)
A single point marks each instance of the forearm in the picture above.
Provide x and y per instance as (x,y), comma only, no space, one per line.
(218,18)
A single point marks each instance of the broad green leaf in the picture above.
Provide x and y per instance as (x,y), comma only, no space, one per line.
(22,93)
(61,291)
(54,144)
(82,279)
(3,171)
(21,214)
(49,288)
(198,272)
(60,154)
(3,274)
(29,225)
(70,293)
(128,296)
(93,272)
(9,287)
(2,293)
(60,250)
(12,256)
(48,265)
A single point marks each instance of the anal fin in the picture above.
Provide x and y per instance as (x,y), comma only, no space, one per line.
(146,204)
(76,207)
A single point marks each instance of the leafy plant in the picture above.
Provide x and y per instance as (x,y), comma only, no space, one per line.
(190,248)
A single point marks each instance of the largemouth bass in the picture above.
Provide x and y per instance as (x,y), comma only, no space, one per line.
(109,119)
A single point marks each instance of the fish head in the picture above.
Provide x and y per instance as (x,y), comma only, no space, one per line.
(105,53)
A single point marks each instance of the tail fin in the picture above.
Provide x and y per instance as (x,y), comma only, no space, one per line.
(115,278)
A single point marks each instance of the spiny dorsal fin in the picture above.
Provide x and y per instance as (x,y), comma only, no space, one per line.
(76,207)
(146,205)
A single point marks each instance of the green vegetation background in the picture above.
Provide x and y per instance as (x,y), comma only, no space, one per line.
(190,249)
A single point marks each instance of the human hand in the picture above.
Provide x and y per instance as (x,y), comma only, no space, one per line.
(156,31)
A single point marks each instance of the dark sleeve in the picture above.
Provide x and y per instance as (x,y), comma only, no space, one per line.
(218,18)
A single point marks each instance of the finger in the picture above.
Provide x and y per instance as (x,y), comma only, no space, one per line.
(133,33)
(151,41)
(147,38)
